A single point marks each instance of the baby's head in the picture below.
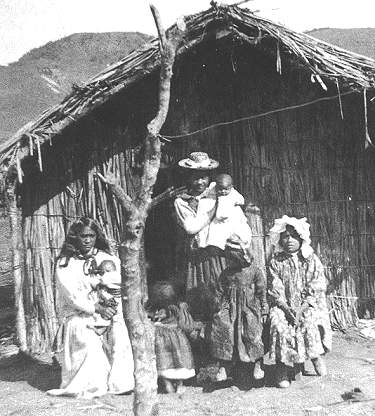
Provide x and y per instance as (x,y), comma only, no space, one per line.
(224,184)
(106,266)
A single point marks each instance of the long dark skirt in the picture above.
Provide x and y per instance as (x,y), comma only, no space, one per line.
(173,351)
(199,270)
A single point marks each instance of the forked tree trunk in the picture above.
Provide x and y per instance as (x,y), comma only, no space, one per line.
(140,328)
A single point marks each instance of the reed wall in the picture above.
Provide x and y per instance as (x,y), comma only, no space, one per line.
(302,162)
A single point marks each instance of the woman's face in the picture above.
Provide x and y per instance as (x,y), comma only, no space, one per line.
(290,240)
(86,240)
(198,182)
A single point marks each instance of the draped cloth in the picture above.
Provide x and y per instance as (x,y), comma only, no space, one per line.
(92,365)
(301,284)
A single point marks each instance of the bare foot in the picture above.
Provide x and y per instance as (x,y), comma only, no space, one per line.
(258,373)
(168,386)
(180,388)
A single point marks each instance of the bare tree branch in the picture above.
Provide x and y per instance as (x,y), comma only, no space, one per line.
(159,27)
(152,143)
(124,199)
(141,330)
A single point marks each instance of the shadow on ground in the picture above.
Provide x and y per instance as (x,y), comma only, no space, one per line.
(38,374)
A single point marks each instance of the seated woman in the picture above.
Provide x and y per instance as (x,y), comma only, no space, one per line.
(299,321)
(87,370)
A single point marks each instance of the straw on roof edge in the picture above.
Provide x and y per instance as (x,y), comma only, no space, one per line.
(324,60)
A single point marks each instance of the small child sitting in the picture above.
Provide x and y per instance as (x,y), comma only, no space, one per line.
(229,220)
(108,287)
(173,322)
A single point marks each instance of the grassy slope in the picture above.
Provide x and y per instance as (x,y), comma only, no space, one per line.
(40,79)
(43,76)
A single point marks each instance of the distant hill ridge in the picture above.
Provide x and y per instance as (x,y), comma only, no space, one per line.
(43,76)
(360,41)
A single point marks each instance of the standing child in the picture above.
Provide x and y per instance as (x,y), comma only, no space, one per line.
(300,327)
(236,333)
(174,358)
(229,220)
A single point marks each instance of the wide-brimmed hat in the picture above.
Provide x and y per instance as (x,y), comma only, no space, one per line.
(199,161)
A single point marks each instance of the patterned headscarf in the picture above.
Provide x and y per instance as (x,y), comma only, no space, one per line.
(302,228)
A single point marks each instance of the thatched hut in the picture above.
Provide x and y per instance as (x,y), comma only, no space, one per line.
(285,114)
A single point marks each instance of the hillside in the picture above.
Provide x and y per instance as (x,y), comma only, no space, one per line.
(43,76)
(360,41)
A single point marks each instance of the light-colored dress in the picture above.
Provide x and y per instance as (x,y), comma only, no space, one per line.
(300,283)
(91,365)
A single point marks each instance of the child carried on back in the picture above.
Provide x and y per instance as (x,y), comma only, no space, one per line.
(230,221)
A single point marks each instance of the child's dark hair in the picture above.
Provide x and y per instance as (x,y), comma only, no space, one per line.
(162,294)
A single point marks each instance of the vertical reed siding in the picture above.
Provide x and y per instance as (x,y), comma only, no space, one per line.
(302,162)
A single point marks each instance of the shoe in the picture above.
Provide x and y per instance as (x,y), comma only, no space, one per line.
(282,376)
(258,373)
(221,374)
(180,388)
(284,384)
(319,366)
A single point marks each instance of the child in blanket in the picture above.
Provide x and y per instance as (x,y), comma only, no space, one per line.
(108,288)
(229,221)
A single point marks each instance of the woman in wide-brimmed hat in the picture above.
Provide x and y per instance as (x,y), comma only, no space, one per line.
(300,325)
(199,267)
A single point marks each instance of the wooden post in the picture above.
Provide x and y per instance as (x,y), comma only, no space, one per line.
(11,202)
(141,330)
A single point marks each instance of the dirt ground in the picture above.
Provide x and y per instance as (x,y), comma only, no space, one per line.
(351,364)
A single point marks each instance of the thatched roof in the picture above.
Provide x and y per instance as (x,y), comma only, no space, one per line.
(325,62)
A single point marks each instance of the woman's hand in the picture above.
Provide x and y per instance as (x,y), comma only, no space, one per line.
(106,312)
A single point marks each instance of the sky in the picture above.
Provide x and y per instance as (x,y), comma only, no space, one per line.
(26,24)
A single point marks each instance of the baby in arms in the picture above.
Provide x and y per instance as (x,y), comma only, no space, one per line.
(230,222)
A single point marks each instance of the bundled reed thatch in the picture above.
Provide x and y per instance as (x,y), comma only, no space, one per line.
(322,60)
(301,160)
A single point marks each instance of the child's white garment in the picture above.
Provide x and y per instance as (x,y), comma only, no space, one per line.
(229,221)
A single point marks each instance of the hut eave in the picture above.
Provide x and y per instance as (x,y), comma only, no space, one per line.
(327,63)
